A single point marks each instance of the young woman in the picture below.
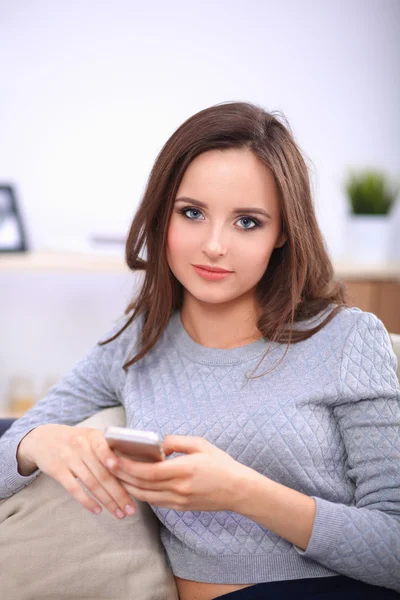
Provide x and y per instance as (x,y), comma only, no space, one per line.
(279,405)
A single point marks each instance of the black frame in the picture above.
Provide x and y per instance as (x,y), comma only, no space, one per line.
(21,245)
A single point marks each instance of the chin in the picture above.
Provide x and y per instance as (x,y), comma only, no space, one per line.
(212,296)
(213,300)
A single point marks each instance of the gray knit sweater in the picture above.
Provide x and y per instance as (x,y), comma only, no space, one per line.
(325,422)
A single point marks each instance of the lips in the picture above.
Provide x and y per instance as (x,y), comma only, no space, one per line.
(212,269)
(211,273)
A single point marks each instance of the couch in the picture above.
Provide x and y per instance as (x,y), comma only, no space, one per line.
(51,547)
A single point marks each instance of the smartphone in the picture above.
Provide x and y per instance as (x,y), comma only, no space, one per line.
(144,446)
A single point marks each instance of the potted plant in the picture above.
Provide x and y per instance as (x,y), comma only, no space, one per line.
(371,198)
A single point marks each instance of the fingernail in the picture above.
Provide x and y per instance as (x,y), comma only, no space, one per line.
(129,510)
(96,510)
(118,512)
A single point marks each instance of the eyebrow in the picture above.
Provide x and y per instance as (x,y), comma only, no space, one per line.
(236,211)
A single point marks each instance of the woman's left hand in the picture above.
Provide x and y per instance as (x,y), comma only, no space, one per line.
(204,478)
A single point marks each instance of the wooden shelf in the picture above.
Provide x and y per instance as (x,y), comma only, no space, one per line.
(385,272)
(10,415)
(62,262)
(379,297)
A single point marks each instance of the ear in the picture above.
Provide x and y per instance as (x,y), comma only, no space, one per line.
(281,241)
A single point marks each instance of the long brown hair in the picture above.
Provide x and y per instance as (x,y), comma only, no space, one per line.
(299,280)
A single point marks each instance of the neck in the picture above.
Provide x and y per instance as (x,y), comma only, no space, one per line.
(224,325)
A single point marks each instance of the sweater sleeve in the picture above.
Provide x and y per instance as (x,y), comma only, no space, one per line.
(363,540)
(91,385)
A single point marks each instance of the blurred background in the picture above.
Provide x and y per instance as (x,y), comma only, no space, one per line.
(90,92)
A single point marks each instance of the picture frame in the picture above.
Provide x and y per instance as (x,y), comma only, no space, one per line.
(12,231)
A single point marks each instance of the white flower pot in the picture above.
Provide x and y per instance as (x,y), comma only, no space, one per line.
(369,239)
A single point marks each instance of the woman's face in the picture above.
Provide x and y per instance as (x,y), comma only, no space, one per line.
(226,215)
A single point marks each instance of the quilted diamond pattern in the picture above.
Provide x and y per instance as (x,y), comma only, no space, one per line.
(325,421)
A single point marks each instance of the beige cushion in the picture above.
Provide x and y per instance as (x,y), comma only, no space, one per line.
(53,548)
(396,347)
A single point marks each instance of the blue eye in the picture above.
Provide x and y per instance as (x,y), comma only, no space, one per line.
(195,213)
(248,223)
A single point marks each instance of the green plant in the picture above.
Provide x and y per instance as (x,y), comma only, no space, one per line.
(370,192)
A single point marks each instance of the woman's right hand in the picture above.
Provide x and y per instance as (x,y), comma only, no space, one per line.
(71,453)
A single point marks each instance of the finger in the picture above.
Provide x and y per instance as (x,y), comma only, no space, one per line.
(160,471)
(102,450)
(96,487)
(138,482)
(74,488)
(93,449)
(110,483)
(166,499)
(183,443)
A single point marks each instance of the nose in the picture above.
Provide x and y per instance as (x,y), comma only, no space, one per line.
(213,245)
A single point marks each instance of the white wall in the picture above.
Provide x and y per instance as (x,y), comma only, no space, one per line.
(91,90)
